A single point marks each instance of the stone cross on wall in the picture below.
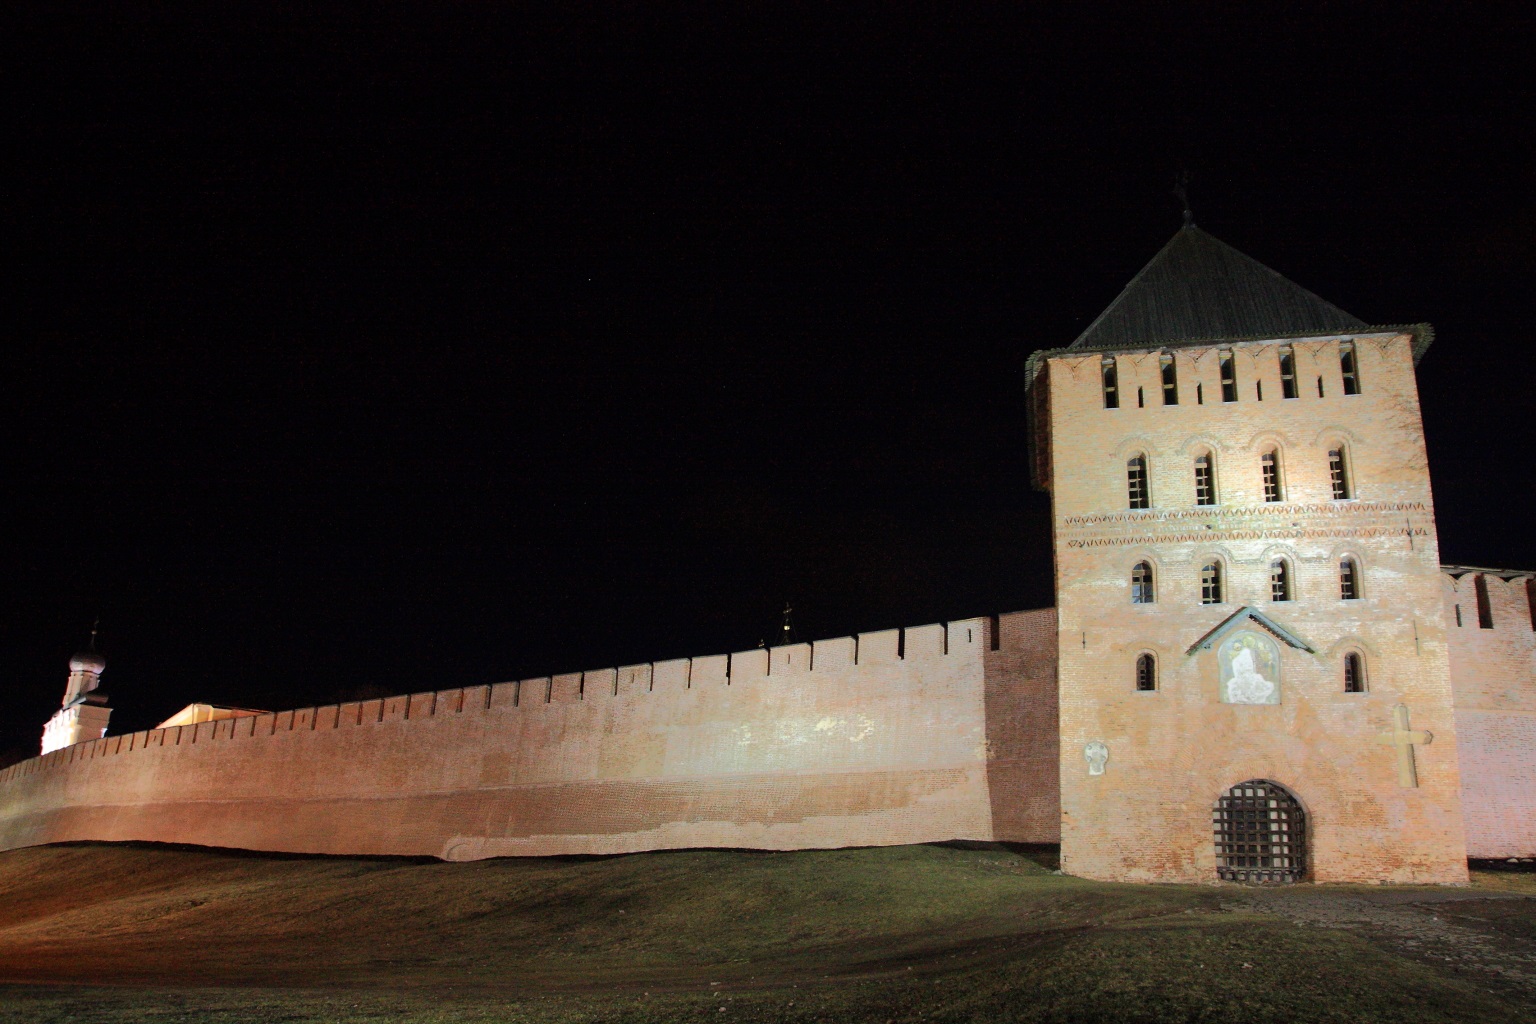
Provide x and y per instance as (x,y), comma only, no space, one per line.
(1404,739)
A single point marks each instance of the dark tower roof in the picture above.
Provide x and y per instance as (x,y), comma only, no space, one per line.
(1198,287)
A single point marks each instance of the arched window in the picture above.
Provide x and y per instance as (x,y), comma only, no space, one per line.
(1349,579)
(1269,462)
(1111,383)
(1210,583)
(1279,580)
(1354,673)
(1137,493)
(1338,473)
(1141,584)
(1146,672)
(1205,479)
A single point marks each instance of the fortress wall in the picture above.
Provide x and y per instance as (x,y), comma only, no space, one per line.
(902,736)
(1493,676)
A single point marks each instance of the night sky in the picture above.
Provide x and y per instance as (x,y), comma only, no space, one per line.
(353,355)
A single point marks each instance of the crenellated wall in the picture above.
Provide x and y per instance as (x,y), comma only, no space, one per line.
(1493,677)
(944,731)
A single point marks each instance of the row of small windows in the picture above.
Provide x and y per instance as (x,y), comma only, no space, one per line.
(1139,491)
(1144,590)
(1354,672)
(1348,369)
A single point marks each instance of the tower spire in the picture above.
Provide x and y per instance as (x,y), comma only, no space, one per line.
(1181,191)
(84,713)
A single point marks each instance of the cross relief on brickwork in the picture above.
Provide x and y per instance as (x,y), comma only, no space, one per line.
(1404,739)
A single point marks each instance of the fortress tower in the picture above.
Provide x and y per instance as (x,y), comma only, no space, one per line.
(85,712)
(1253,670)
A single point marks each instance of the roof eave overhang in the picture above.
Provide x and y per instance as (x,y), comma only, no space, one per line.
(1459,571)
(1423,336)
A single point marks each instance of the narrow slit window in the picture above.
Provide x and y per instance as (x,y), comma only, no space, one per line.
(1258,389)
(1205,480)
(1170,380)
(1146,672)
(1141,584)
(1320,387)
(1458,616)
(1348,368)
(1287,372)
(1141,398)
(1338,474)
(1484,606)
(1210,583)
(1279,580)
(1349,579)
(1111,383)
(1199,394)
(1530,600)
(1136,482)
(1354,673)
(1228,377)
(1269,463)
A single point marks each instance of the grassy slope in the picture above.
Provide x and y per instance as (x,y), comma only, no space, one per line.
(907,933)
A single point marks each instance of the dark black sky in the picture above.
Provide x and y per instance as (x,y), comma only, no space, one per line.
(455,343)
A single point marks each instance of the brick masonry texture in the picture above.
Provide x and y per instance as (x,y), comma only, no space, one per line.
(1493,673)
(902,736)
(1175,750)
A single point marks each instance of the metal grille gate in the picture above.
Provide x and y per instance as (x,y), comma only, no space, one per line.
(1261,834)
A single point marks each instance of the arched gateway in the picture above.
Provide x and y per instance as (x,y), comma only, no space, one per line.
(1261,834)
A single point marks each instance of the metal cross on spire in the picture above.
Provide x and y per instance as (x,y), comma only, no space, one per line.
(1181,191)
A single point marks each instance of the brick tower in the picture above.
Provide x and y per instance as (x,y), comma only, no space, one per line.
(1253,671)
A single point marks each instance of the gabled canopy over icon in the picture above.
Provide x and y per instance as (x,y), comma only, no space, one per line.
(1241,617)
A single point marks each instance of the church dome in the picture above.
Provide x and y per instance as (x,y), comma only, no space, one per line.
(87,661)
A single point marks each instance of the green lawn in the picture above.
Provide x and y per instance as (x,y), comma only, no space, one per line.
(934,933)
